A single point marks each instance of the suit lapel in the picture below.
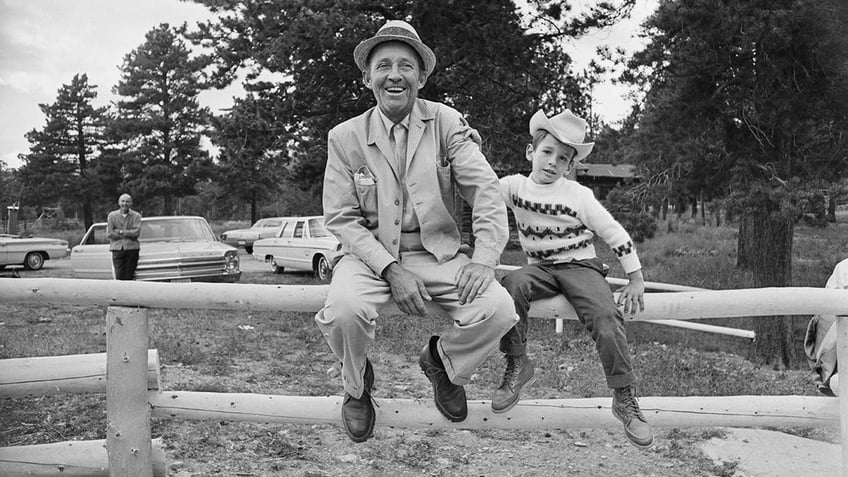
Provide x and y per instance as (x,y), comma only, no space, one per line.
(377,136)
(420,113)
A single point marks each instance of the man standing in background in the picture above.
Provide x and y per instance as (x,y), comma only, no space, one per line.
(122,228)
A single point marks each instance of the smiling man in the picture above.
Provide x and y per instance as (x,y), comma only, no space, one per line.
(388,196)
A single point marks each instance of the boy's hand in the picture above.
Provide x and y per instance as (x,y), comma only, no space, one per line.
(633,294)
(472,280)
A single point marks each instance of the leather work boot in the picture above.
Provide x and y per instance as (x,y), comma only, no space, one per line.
(358,414)
(519,373)
(450,398)
(626,409)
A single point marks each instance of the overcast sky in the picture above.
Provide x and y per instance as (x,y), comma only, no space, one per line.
(44,43)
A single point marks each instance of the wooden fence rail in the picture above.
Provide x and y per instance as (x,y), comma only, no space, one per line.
(131,403)
(683,305)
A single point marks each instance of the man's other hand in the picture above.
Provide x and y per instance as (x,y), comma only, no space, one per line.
(472,280)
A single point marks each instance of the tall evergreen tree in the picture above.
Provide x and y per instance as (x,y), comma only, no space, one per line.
(250,167)
(748,100)
(159,122)
(489,64)
(63,154)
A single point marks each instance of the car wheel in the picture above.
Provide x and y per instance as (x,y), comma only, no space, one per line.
(323,270)
(248,249)
(274,267)
(33,261)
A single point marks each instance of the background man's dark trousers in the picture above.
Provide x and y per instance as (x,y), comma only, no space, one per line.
(125,262)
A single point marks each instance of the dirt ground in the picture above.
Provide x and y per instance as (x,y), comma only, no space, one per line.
(199,448)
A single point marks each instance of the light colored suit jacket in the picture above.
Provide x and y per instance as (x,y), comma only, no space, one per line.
(363,196)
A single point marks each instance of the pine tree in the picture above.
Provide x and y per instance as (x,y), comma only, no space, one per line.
(489,65)
(747,101)
(63,154)
(158,121)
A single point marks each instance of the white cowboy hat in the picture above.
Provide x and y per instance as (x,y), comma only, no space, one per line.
(395,30)
(567,128)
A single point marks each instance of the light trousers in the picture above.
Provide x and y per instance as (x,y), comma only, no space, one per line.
(356,295)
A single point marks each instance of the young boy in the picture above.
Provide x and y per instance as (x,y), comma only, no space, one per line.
(556,220)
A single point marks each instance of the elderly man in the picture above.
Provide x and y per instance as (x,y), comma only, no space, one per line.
(388,197)
(122,228)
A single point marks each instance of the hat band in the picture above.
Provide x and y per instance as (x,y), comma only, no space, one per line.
(397,31)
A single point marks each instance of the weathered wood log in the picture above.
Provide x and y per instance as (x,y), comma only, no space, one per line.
(722,330)
(68,459)
(73,373)
(683,305)
(842,357)
(694,411)
(127,413)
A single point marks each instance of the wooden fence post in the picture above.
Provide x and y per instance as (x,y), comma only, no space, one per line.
(842,357)
(127,412)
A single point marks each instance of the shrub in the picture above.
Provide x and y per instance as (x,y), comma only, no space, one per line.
(623,205)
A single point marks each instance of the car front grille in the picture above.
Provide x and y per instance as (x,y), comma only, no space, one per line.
(191,268)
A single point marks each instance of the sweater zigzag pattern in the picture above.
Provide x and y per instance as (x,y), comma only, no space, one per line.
(557,222)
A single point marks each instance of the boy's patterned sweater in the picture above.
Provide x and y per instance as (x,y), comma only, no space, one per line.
(556,222)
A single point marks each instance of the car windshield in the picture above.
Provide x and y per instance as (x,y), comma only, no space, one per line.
(316,228)
(273,223)
(175,230)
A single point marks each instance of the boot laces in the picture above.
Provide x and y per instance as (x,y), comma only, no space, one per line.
(627,397)
(513,368)
(433,371)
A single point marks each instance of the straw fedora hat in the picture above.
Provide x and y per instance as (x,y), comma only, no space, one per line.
(567,128)
(395,30)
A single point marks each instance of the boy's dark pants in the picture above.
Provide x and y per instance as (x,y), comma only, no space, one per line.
(583,284)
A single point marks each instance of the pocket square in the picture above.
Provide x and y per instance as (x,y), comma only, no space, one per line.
(364,177)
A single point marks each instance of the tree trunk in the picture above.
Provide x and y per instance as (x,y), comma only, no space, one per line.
(693,204)
(715,210)
(770,259)
(831,207)
(87,216)
(254,214)
(744,243)
(168,204)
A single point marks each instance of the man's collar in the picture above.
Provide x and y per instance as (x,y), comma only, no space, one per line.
(388,122)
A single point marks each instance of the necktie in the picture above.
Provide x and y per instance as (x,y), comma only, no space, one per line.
(409,219)
(399,137)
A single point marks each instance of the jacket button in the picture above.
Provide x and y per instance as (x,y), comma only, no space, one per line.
(394,242)
(397,202)
(397,221)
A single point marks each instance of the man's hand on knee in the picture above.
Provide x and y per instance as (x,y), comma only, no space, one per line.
(472,280)
(408,290)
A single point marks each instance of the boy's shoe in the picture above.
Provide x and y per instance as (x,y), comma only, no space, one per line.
(626,409)
(519,373)
(358,415)
(450,398)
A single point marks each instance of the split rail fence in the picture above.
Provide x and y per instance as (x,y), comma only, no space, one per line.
(133,393)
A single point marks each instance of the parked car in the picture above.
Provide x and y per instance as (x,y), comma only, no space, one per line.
(31,252)
(175,248)
(263,228)
(301,243)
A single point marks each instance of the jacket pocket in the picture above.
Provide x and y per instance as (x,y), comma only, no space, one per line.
(367,196)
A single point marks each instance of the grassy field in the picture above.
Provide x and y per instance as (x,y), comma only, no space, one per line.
(283,353)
